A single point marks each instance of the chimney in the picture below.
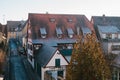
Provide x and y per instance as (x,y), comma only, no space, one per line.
(104,20)
(103,15)
(47,13)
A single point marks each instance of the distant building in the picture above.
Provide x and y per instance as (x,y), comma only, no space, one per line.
(110,37)
(107,29)
(106,20)
(108,32)
(50,38)
(14,29)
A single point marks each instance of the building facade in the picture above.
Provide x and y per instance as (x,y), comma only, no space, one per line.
(107,30)
(14,29)
(59,31)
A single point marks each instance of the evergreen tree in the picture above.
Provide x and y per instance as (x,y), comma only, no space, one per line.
(87,61)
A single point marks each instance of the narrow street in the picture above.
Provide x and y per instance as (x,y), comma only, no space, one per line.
(18,67)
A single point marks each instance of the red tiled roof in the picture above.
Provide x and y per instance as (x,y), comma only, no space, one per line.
(62,21)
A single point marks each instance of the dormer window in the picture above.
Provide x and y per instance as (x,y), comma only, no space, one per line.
(52,19)
(59,32)
(43,32)
(116,36)
(109,36)
(86,30)
(69,20)
(70,32)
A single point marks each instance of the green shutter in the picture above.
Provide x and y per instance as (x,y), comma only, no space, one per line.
(57,62)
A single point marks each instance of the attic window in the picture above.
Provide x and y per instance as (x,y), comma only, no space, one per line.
(52,19)
(70,32)
(86,30)
(57,62)
(109,36)
(59,32)
(43,32)
(69,20)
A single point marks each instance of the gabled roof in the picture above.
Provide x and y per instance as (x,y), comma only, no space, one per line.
(44,55)
(106,20)
(62,21)
(108,29)
(13,26)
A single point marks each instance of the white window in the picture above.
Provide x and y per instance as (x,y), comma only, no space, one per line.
(70,32)
(116,36)
(69,46)
(109,36)
(69,20)
(59,32)
(52,19)
(43,32)
(43,35)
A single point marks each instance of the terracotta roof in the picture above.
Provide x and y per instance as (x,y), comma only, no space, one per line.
(52,21)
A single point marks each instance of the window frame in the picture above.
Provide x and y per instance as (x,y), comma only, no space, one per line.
(109,36)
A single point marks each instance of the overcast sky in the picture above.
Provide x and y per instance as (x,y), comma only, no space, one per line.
(19,9)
